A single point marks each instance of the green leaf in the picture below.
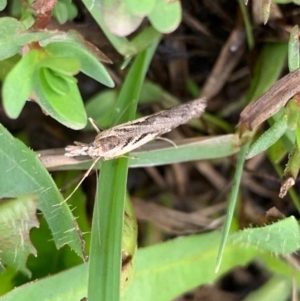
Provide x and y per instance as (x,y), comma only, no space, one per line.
(7,65)
(89,64)
(267,69)
(23,173)
(166,15)
(142,8)
(26,37)
(145,38)
(118,18)
(64,65)
(163,271)
(280,238)
(269,137)
(150,92)
(56,82)
(100,108)
(3,4)
(17,218)
(61,12)
(9,27)
(161,153)
(18,84)
(68,108)
(121,44)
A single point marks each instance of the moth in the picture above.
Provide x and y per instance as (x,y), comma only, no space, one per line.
(123,138)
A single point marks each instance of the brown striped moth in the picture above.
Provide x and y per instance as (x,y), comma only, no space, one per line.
(121,139)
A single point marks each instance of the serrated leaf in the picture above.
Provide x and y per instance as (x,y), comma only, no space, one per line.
(9,27)
(23,173)
(166,15)
(280,238)
(163,271)
(68,109)
(89,63)
(18,84)
(17,218)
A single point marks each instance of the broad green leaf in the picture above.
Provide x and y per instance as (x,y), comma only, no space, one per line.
(121,44)
(18,84)
(68,109)
(64,65)
(142,8)
(7,65)
(118,18)
(9,27)
(23,173)
(163,271)
(3,4)
(17,218)
(27,37)
(89,63)
(166,15)
(280,238)
(56,82)
(61,12)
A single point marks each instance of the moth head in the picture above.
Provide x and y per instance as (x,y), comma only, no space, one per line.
(105,147)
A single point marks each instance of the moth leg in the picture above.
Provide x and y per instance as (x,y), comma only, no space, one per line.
(85,175)
(94,125)
(167,140)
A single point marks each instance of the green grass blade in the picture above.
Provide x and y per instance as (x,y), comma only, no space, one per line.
(232,201)
(248,24)
(157,153)
(106,245)
(164,153)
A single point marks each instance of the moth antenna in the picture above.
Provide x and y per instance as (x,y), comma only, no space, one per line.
(94,125)
(167,140)
(85,175)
